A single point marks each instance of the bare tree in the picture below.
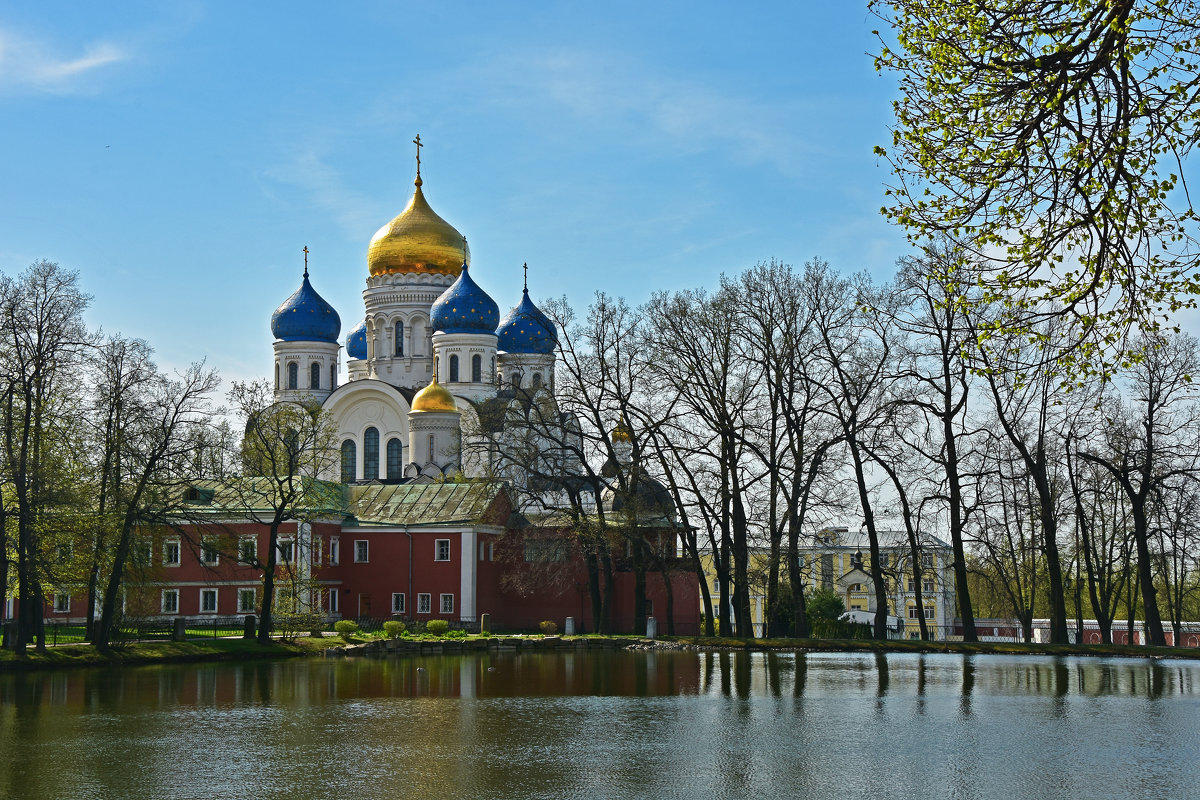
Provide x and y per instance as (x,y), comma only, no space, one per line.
(152,451)
(287,450)
(1151,441)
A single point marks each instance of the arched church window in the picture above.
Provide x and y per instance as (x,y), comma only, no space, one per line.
(332,377)
(276,374)
(370,454)
(395,460)
(477,369)
(492,373)
(432,449)
(293,375)
(515,380)
(349,456)
(399,338)
(537,381)
(314,376)
(454,369)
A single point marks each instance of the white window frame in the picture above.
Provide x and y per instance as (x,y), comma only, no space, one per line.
(333,601)
(208,546)
(288,544)
(247,543)
(438,546)
(362,547)
(242,593)
(424,603)
(930,612)
(61,600)
(398,603)
(445,603)
(317,550)
(173,606)
(168,545)
(215,595)
(334,548)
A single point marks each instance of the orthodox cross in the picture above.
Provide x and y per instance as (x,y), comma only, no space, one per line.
(525,267)
(464,250)
(306,261)
(417,142)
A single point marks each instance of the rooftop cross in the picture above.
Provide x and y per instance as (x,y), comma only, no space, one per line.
(417,142)
(306,261)
(525,267)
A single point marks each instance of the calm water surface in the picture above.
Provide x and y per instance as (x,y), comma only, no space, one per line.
(620,725)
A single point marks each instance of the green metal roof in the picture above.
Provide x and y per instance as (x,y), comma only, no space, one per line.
(422,503)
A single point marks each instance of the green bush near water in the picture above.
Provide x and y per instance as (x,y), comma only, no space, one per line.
(346,628)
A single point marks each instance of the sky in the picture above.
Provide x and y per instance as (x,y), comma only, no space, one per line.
(180,155)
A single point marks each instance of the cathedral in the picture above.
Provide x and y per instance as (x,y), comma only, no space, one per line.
(431,348)
(425,524)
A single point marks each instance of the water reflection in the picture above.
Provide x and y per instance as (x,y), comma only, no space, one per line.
(607,724)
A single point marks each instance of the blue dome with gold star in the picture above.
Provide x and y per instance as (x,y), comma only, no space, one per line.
(464,308)
(306,317)
(526,330)
(356,341)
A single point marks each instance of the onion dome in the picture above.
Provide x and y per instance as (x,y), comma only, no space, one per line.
(526,330)
(648,498)
(464,308)
(434,397)
(622,433)
(356,341)
(306,317)
(417,241)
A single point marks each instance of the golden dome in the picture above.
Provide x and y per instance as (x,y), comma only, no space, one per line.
(434,397)
(418,240)
(622,433)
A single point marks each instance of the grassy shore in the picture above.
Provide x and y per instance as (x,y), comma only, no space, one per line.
(913,646)
(85,655)
(237,649)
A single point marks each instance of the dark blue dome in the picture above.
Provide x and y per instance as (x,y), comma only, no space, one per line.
(526,330)
(356,341)
(464,308)
(306,317)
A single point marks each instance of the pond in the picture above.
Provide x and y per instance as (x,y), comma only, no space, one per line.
(655,724)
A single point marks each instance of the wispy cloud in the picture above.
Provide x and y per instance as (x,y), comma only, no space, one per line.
(28,64)
(324,187)
(619,91)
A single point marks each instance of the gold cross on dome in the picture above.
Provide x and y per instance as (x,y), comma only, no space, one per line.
(417,142)
(306,261)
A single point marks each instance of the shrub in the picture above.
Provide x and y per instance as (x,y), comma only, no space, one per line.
(317,633)
(437,626)
(825,604)
(456,634)
(346,627)
(547,627)
(393,628)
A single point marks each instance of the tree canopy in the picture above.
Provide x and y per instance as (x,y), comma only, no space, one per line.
(1048,138)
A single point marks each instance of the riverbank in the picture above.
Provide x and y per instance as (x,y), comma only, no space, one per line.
(237,649)
(139,653)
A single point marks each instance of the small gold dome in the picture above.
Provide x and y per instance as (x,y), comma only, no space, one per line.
(622,433)
(417,240)
(434,397)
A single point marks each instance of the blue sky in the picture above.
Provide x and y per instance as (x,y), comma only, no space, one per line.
(180,155)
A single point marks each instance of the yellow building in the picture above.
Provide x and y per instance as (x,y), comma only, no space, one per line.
(839,559)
